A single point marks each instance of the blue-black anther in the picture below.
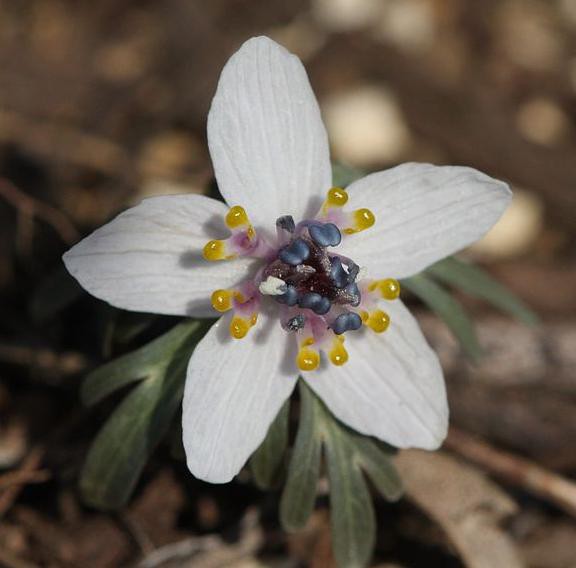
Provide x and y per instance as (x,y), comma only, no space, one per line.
(354,292)
(340,324)
(353,270)
(325,235)
(286,222)
(290,297)
(354,321)
(315,302)
(318,235)
(323,307)
(334,234)
(346,322)
(295,253)
(310,300)
(337,273)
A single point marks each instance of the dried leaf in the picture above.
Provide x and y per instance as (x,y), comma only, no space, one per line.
(467,505)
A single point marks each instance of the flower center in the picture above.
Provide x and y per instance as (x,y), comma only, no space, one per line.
(320,294)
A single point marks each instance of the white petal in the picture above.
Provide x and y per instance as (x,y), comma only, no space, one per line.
(423,213)
(392,386)
(234,390)
(267,140)
(149,258)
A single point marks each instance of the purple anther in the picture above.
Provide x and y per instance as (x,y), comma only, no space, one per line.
(337,273)
(295,253)
(325,235)
(348,321)
(310,300)
(290,297)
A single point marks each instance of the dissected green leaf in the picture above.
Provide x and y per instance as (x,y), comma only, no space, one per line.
(127,326)
(351,510)
(448,309)
(266,462)
(138,364)
(299,493)
(377,463)
(476,282)
(123,446)
(348,456)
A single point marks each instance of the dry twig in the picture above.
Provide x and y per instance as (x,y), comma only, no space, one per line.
(44,359)
(10,560)
(29,465)
(516,470)
(13,478)
(28,208)
(62,142)
(209,551)
(468,506)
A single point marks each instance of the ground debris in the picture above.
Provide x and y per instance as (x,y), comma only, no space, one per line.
(466,505)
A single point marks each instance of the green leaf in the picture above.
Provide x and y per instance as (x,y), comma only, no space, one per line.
(137,365)
(377,463)
(476,282)
(127,326)
(448,309)
(123,446)
(299,493)
(351,509)
(266,462)
(348,455)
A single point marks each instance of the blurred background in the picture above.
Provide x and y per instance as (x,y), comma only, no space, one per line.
(104,103)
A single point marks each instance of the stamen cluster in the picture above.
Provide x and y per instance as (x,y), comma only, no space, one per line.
(312,278)
(320,294)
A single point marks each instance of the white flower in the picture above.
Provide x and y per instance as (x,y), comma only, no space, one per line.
(290,287)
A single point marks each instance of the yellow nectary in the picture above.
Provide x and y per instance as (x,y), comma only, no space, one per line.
(378,321)
(308,359)
(336,197)
(239,326)
(216,250)
(221,300)
(362,219)
(389,288)
(338,354)
(237,217)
